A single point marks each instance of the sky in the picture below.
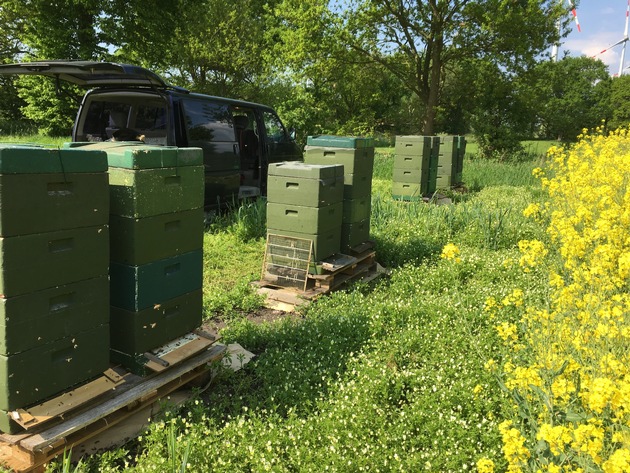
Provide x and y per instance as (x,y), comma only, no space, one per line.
(602,23)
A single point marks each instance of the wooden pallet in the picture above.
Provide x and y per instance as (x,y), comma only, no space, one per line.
(335,272)
(61,424)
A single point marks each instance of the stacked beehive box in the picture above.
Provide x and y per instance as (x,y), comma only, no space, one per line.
(156,228)
(306,201)
(415,167)
(53,261)
(357,157)
(451,161)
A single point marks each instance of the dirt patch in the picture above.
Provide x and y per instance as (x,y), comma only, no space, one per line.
(262,315)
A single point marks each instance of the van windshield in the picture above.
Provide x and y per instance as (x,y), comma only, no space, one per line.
(123,116)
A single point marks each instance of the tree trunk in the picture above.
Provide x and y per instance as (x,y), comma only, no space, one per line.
(433,71)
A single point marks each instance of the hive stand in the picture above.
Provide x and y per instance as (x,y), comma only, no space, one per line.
(313,279)
(76,416)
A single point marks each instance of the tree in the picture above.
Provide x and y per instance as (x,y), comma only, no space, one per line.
(620,102)
(500,116)
(65,29)
(330,88)
(417,40)
(570,95)
(212,46)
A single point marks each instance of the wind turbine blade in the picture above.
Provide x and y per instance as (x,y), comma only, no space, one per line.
(575,16)
(625,31)
(611,46)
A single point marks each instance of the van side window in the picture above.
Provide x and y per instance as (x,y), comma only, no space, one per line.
(274,129)
(208,121)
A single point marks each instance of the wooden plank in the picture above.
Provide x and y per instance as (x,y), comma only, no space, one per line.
(66,402)
(337,262)
(181,353)
(40,441)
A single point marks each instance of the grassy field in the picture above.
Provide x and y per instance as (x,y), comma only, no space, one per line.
(387,376)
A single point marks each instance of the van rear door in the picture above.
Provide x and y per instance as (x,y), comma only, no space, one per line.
(88,73)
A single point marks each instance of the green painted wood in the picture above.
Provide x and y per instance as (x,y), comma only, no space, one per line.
(413,145)
(356,186)
(34,375)
(353,234)
(39,317)
(25,159)
(356,210)
(29,263)
(302,170)
(301,219)
(358,161)
(411,176)
(148,192)
(138,241)
(38,203)
(305,191)
(444,181)
(135,288)
(138,332)
(332,141)
(406,191)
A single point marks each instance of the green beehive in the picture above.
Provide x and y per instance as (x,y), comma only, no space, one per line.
(39,317)
(412,176)
(357,161)
(135,288)
(356,210)
(139,332)
(356,186)
(148,192)
(301,219)
(325,243)
(308,185)
(449,145)
(137,241)
(38,261)
(23,159)
(354,234)
(38,203)
(416,162)
(406,191)
(413,145)
(46,370)
(444,181)
(332,141)
(452,149)
(412,162)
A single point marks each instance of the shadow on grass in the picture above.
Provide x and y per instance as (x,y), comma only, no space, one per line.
(296,358)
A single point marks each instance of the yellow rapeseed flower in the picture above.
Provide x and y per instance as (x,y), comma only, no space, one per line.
(451,252)
(485,465)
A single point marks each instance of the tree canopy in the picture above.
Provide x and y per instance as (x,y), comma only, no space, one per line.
(344,67)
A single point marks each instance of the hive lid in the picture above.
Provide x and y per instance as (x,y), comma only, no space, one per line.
(23,159)
(332,141)
(137,155)
(307,171)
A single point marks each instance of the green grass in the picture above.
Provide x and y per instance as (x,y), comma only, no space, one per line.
(39,140)
(387,376)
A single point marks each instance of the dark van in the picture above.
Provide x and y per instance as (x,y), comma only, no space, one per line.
(239,139)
